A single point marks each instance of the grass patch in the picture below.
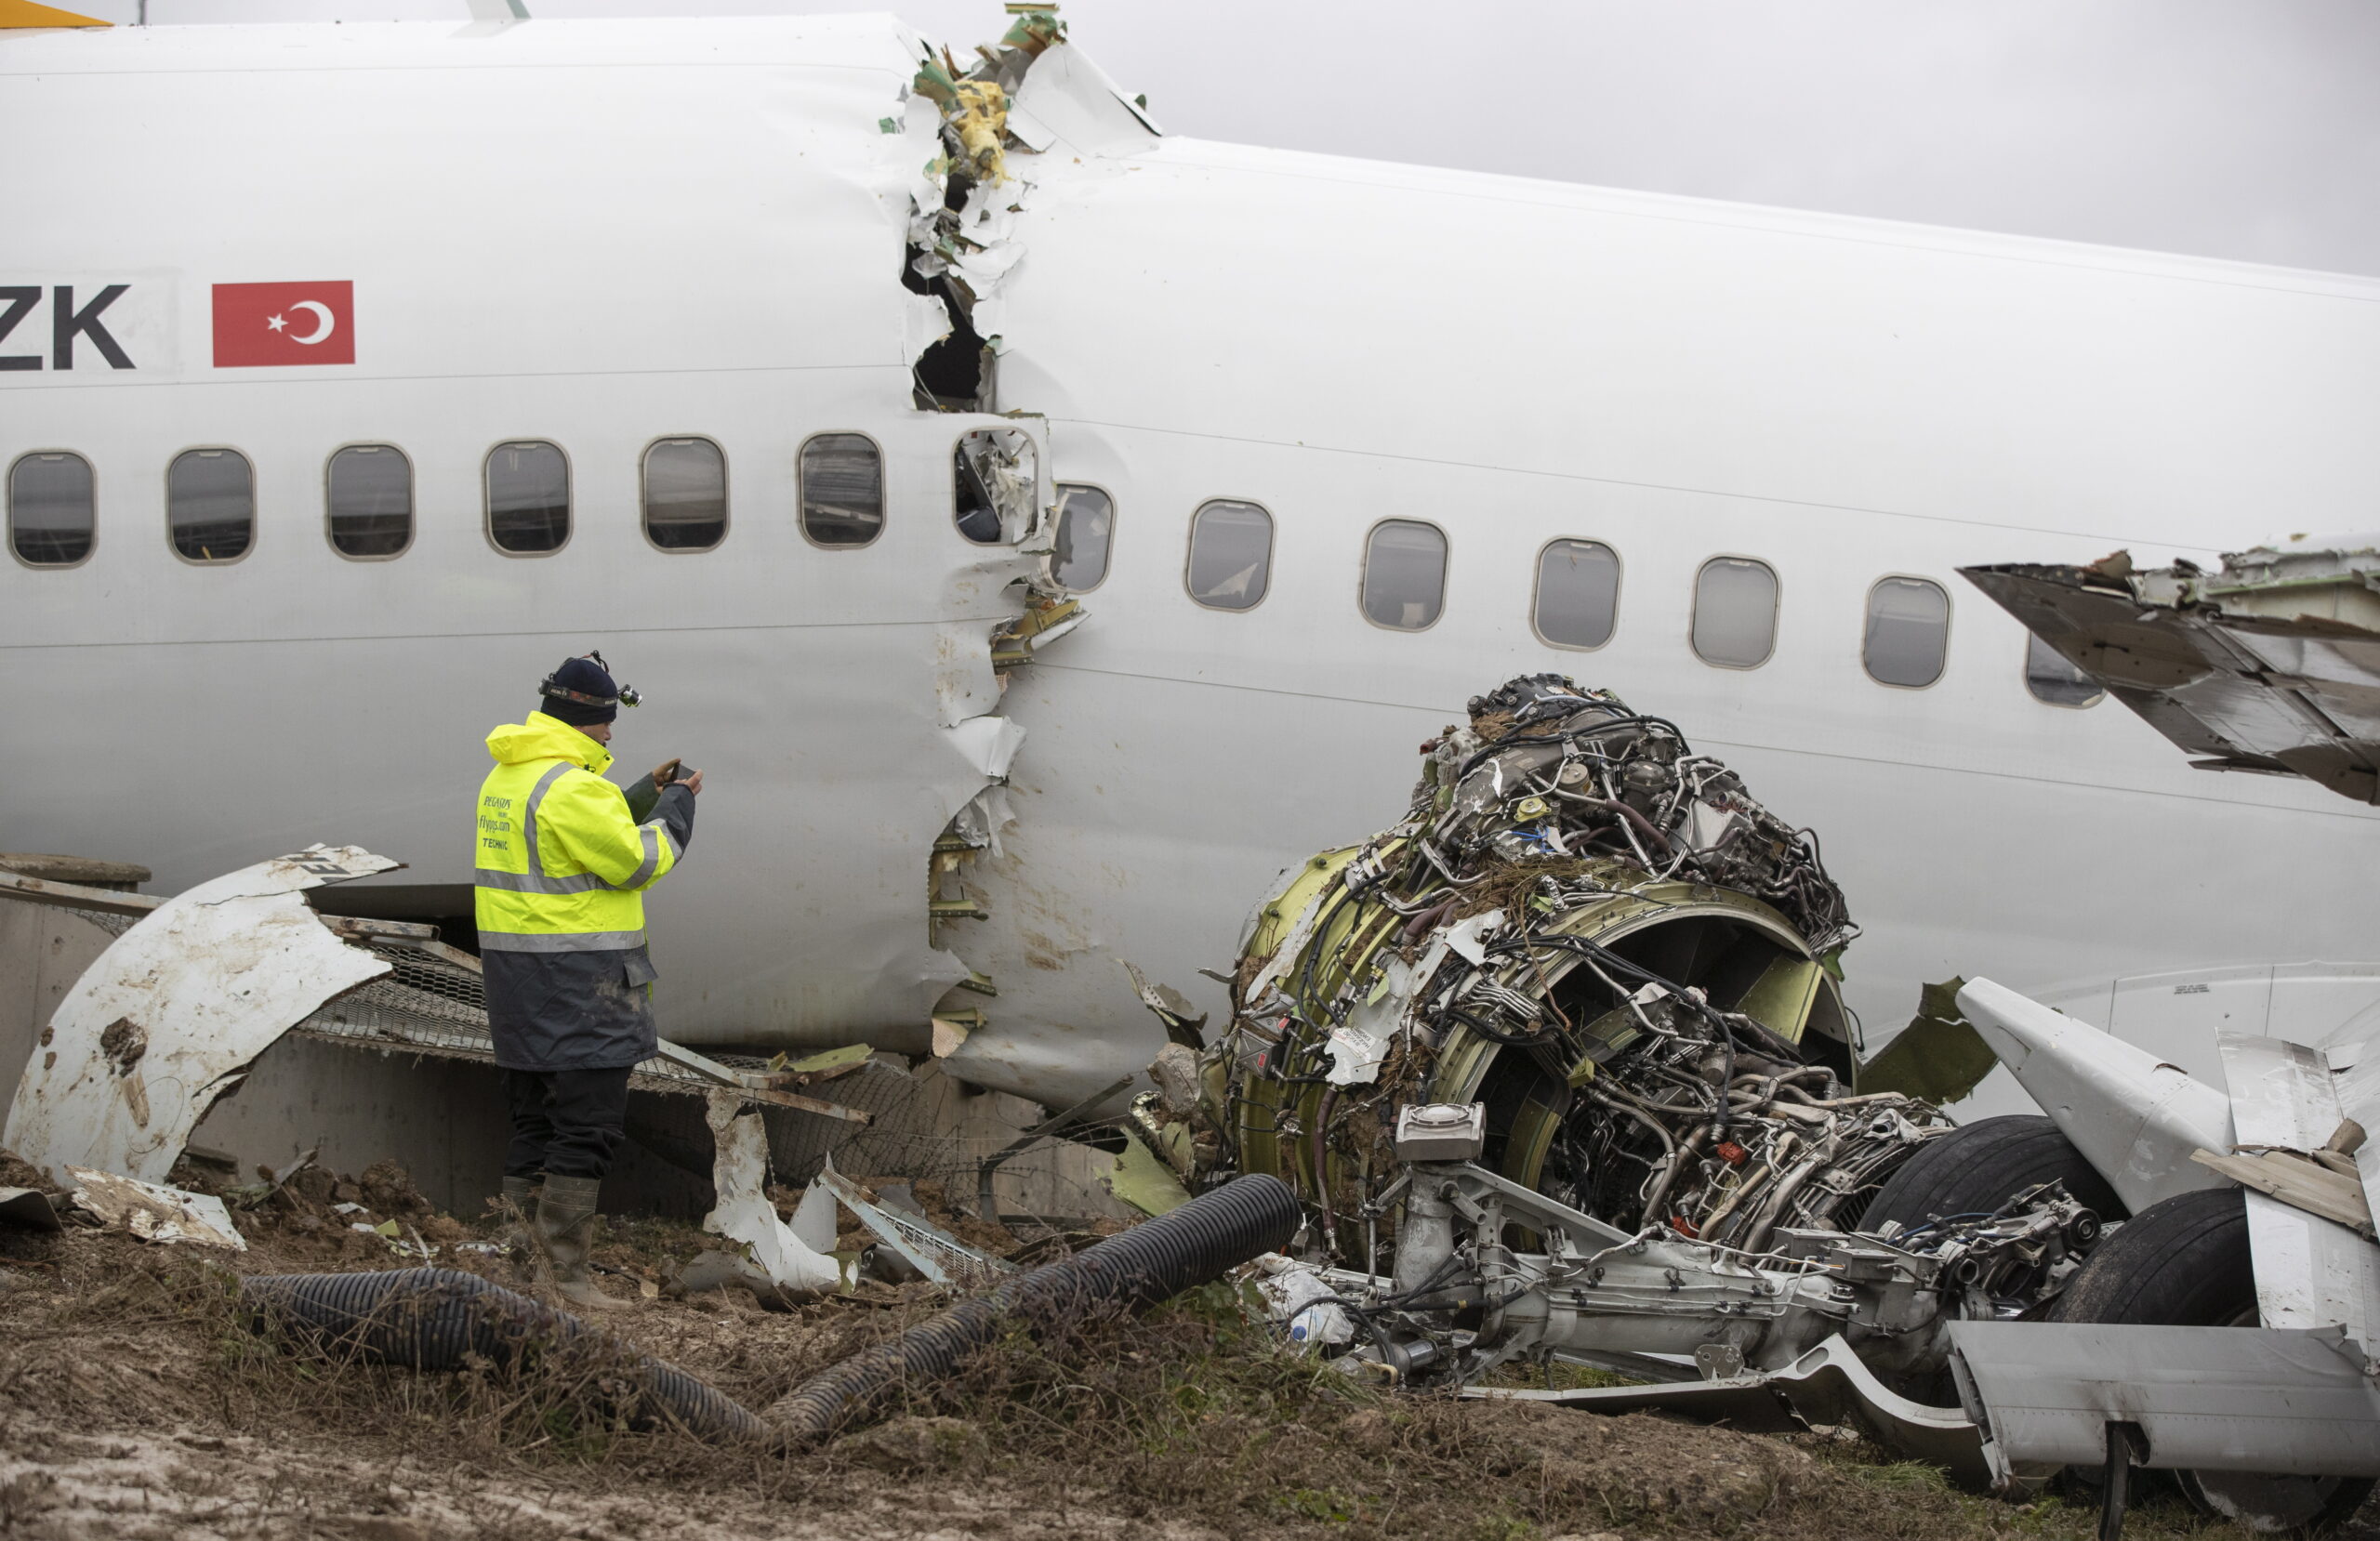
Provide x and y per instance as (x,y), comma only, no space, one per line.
(1190,1420)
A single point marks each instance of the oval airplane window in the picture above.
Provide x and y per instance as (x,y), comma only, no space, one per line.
(842,489)
(2056,681)
(368,493)
(1909,632)
(1086,527)
(1231,554)
(528,497)
(1578,593)
(1405,575)
(51,521)
(685,494)
(211,505)
(1735,612)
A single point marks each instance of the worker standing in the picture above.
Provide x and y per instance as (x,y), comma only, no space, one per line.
(560,876)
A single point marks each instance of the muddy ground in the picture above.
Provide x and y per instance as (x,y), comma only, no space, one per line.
(135,1402)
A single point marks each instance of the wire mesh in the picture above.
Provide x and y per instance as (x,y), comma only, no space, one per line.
(429,1004)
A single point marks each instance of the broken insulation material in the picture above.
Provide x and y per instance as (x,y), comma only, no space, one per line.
(962,215)
(1601,936)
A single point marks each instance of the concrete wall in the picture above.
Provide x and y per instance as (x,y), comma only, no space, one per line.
(443,1120)
(43,951)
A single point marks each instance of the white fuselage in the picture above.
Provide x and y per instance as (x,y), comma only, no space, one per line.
(604,234)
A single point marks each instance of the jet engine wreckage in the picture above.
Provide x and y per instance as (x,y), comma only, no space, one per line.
(1558,1067)
(1559,1056)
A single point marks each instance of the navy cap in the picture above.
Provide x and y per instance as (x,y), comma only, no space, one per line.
(580,692)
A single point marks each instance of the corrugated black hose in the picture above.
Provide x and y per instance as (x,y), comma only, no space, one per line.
(436,1318)
(1156,1260)
(433,1318)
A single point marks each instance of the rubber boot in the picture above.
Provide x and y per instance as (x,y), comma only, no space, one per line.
(565,1233)
(518,1203)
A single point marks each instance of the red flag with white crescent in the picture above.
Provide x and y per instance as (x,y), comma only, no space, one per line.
(283,323)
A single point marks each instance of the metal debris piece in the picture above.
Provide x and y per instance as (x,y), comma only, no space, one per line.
(1827,1385)
(986,1206)
(1185,1023)
(2213,1399)
(812,1069)
(743,1212)
(61,894)
(174,1011)
(2297,1180)
(2309,1223)
(153,1212)
(1145,1180)
(2271,664)
(118,877)
(29,1208)
(1939,1057)
(933,1252)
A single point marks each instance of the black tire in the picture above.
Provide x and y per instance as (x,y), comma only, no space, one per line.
(1978,1167)
(2185,1262)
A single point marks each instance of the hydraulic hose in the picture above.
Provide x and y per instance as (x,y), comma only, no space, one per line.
(1194,1244)
(435,1318)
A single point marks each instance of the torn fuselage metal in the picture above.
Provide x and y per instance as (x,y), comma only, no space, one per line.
(2270,664)
(174,1012)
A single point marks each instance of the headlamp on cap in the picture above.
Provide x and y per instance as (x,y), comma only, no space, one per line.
(552,688)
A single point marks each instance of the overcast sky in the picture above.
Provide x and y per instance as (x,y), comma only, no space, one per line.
(2235,128)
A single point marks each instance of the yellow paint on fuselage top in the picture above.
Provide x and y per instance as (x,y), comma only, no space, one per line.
(25,13)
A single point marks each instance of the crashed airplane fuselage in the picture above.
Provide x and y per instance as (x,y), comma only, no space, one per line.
(757,352)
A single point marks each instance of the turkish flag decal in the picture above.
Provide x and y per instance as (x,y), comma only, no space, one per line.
(278,324)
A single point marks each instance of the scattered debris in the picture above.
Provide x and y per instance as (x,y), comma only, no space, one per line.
(743,1212)
(152,1212)
(932,1252)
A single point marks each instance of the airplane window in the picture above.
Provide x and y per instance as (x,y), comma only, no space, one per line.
(50,518)
(1086,524)
(1404,574)
(1909,632)
(1735,612)
(842,489)
(2052,679)
(211,505)
(370,500)
(528,497)
(685,494)
(1578,593)
(1231,554)
(994,480)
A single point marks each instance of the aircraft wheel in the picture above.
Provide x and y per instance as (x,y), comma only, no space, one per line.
(2185,1262)
(1978,1167)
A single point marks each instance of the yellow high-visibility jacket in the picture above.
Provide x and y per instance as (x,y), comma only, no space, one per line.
(562,867)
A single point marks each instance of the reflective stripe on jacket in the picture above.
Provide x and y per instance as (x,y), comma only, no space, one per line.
(561,865)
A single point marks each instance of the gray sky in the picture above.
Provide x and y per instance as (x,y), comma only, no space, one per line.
(2234,128)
